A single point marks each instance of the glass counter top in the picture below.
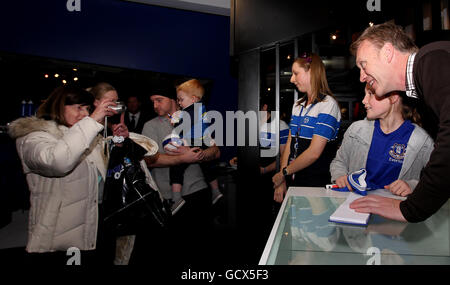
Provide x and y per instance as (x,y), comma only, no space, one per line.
(302,234)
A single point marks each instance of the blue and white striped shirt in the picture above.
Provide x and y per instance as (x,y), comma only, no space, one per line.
(268,137)
(322,119)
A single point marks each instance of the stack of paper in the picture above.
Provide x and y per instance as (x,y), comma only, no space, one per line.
(344,214)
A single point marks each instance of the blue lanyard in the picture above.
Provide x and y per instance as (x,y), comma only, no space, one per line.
(297,136)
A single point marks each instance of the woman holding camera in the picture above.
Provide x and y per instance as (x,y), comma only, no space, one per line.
(64,163)
(103,91)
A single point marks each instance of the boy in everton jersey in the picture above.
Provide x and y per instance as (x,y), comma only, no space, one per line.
(388,144)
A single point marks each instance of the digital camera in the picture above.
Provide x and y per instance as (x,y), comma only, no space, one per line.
(120,107)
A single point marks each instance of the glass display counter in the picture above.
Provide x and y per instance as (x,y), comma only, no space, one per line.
(302,234)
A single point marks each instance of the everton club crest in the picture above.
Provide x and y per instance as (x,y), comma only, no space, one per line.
(398,151)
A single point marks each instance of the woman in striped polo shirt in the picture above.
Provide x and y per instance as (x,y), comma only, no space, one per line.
(314,127)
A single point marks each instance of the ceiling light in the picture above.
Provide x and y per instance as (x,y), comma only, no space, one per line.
(56,75)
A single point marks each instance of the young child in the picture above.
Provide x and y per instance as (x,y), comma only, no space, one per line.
(189,93)
(387,143)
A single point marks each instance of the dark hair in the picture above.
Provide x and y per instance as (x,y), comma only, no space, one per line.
(409,109)
(53,107)
(134,96)
(165,88)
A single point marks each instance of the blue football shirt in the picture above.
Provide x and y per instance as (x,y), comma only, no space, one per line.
(386,155)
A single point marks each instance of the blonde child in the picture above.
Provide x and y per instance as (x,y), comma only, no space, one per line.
(189,93)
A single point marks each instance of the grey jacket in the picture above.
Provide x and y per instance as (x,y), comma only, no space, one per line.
(156,129)
(352,155)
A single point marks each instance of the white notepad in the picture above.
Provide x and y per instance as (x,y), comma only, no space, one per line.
(345,215)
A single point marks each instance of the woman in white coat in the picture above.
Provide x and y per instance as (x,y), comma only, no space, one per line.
(64,162)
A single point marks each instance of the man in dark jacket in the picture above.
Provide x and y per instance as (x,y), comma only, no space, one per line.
(135,117)
(389,60)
